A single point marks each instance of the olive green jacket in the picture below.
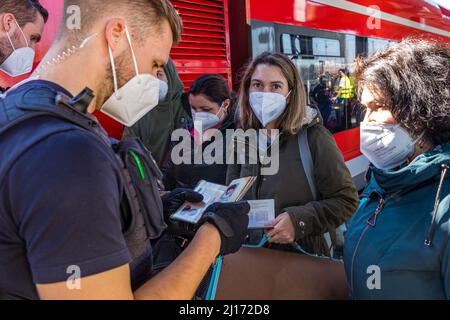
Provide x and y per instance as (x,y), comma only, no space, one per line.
(291,191)
(156,127)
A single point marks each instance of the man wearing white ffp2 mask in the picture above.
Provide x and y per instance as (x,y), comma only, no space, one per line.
(268,106)
(20,61)
(21,25)
(136,98)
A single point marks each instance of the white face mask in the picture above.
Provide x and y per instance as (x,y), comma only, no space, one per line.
(386,146)
(207,120)
(21,60)
(136,98)
(268,106)
(163,90)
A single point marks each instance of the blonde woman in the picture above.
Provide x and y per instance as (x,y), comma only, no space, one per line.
(272,96)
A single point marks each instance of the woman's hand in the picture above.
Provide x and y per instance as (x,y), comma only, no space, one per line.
(283,231)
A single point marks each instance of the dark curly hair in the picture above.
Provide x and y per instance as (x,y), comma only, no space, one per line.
(412,79)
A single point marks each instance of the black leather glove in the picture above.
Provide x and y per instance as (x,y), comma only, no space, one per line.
(231,219)
(173,200)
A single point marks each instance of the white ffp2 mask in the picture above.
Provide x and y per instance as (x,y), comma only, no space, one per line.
(386,146)
(206,120)
(163,90)
(136,98)
(20,61)
(267,106)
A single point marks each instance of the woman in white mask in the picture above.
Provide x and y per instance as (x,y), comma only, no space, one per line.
(397,244)
(211,104)
(272,97)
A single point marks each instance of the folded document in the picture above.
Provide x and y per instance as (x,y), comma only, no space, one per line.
(261,212)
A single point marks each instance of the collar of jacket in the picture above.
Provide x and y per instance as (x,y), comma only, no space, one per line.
(312,117)
(425,167)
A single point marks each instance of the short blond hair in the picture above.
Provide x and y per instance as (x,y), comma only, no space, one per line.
(142,16)
(292,119)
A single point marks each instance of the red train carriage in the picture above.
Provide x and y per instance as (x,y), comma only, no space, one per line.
(321,36)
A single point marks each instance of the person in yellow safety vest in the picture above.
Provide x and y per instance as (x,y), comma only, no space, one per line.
(346,86)
(344,96)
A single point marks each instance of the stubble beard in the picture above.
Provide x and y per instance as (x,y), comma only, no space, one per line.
(125,72)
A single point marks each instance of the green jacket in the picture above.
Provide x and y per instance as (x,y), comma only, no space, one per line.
(156,127)
(291,191)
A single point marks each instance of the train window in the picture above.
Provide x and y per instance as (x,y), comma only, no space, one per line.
(326,47)
(296,45)
(361,46)
(290,44)
(350,49)
(263,39)
(319,56)
(369,46)
(374,45)
(307,46)
(286,44)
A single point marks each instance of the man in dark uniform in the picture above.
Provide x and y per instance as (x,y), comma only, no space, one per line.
(61,210)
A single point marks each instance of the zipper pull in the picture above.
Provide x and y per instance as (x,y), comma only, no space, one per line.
(372,222)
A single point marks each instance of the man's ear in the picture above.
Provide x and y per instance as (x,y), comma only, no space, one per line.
(115,35)
(7,23)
